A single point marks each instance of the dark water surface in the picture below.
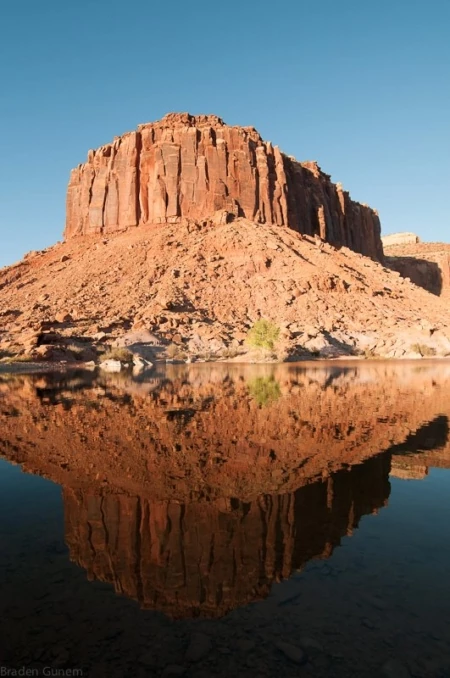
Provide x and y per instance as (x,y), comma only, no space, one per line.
(209,520)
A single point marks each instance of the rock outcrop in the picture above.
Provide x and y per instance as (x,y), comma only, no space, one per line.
(186,166)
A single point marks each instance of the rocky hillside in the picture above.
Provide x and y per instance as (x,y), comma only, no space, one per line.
(191,166)
(201,286)
(182,235)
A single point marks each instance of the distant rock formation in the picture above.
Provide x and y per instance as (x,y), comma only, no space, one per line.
(399,239)
(425,264)
(193,166)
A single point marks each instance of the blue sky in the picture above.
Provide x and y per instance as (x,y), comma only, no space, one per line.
(362,87)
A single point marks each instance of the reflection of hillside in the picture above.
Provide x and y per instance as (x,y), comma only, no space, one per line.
(201,435)
(196,559)
(192,496)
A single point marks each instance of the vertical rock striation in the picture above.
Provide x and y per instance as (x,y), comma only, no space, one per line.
(205,559)
(187,166)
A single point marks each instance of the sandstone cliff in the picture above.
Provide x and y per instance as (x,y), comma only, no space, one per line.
(192,166)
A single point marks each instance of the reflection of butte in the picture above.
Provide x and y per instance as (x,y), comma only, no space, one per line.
(175,490)
(206,559)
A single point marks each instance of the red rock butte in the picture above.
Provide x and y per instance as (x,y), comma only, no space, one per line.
(186,166)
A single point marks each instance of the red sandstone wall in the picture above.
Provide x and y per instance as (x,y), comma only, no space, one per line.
(186,166)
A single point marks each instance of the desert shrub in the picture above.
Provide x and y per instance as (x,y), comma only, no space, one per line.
(264,390)
(264,334)
(423,350)
(118,353)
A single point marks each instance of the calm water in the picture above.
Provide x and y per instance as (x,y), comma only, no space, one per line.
(258,521)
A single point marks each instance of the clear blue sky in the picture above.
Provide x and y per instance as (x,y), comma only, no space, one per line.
(362,87)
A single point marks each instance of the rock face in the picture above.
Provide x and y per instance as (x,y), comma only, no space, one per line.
(193,166)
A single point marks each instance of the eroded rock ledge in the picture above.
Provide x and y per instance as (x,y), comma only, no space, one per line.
(192,166)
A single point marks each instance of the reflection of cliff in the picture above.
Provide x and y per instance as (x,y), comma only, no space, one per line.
(197,559)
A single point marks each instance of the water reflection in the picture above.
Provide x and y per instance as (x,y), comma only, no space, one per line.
(218,432)
(201,559)
(194,491)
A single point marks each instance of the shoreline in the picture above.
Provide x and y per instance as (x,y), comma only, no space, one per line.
(49,367)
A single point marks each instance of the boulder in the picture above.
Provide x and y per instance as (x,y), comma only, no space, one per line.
(63,317)
(140,364)
(111,366)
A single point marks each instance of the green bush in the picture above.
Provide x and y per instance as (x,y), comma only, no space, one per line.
(423,350)
(264,334)
(264,390)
